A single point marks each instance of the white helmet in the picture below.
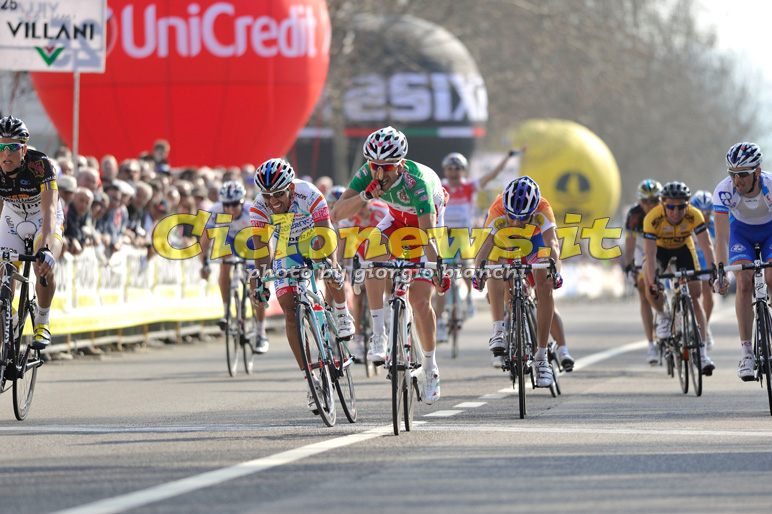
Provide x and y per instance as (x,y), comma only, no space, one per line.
(274,175)
(456,160)
(387,144)
(231,192)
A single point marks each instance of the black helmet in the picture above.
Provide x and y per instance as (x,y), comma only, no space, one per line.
(13,128)
(676,190)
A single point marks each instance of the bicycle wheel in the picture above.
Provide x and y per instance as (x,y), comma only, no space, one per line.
(366,330)
(314,364)
(3,352)
(763,332)
(343,381)
(454,320)
(411,386)
(397,364)
(692,340)
(248,332)
(24,377)
(232,333)
(521,359)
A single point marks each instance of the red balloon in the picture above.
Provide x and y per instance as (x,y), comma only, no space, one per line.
(225,82)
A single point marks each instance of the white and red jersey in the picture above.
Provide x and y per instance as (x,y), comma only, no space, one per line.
(378,211)
(460,207)
(308,206)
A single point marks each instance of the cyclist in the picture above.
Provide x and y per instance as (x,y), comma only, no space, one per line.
(295,208)
(416,199)
(743,217)
(703,200)
(649,192)
(29,199)
(521,206)
(667,229)
(369,215)
(231,196)
(458,214)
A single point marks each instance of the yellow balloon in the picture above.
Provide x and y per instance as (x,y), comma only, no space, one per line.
(574,168)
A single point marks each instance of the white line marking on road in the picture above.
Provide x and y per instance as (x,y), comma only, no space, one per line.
(496,396)
(169,490)
(607,354)
(469,405)
(442,413)
(604,431)
(508,390)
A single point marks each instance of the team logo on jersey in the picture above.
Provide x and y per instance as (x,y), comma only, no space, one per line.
(539,219)
(738,248)
(403,197)
(725,197)
(499,223)
(409,181)
(37,168)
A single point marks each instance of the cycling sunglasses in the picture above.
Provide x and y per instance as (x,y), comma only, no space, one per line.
(231,204)
(740,174)
(679,207)
(518,218)
(277,194)
(374,166)
(11,146)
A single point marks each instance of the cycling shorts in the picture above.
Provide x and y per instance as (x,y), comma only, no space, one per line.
(283,286)
(685,257)
(742,237)
(388,225)
(14,226)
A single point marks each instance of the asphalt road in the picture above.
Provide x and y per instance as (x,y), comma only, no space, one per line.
(167,430)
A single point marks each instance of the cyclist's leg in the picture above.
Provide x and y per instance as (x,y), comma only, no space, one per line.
(496,297)
(420,295)
(224,281)
(741,239)
(46,294)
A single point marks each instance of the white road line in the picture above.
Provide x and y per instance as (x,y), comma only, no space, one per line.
(495,396)
(609,431)
(469,405)
(442,413)
(164,491)
(607,354)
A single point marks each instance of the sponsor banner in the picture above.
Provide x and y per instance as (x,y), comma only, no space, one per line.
(60,36)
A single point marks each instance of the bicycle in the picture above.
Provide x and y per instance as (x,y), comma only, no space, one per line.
(681,350)
(521,327)
(402,361)
(19,362)
(321,349)
(456,315)
(762,323)
(238,327)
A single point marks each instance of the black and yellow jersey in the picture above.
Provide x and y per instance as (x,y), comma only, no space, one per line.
(656,226)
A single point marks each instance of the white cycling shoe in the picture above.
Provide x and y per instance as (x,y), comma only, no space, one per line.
(543,372)
(345,324)
(379,351)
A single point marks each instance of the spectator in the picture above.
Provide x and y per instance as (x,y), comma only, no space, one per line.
(92,162)
(200,197)
(324,184)
(66,185)
(89,178)
(66,166)
(109,167)
(82,162)
(78,228)
(213,193)
(114,221)
(161,150)
(63,151)
(129,170)
(138,214)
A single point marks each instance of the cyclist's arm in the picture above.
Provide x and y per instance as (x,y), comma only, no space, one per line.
(650,247)
(318,242)
(707,247)
(48,204)
(347,205)
(485,179)
(425,222)
(551,242)
(485,250)
(205,242)
(721,224)
(629,250)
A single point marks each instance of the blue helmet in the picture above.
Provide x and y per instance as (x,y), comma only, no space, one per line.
(333,195)
(521,197)
(231,192)
(744,155)
(703,200)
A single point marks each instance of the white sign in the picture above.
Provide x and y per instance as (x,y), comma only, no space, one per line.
(54,35)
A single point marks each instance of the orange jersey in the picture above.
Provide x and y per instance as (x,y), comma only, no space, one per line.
(543,218)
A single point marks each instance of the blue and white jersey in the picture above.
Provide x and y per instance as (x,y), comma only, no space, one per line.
(751,211)
(234,227)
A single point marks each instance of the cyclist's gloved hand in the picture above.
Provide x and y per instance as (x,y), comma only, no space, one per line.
(478,280)
(336,277)
(444,284)
(557,281)
(368,193)
(46,256)
(632,274)
(205,271)
(654,290)
(261,294)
